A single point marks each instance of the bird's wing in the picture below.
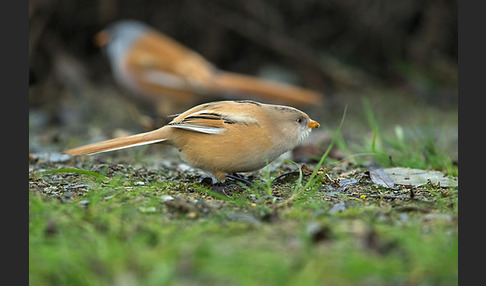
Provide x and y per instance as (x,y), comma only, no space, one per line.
(163,61)
(202,121)
(211,122)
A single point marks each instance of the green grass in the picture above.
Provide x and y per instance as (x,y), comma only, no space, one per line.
(114,240)
(112,227)
(420,148)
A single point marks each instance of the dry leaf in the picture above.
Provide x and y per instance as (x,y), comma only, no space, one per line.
(418,177)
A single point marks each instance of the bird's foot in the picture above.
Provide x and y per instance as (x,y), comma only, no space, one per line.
(239,178)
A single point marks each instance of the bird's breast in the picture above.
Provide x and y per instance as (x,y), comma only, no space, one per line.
(240,148)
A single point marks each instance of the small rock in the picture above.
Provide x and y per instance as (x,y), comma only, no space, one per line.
(184,167)
(337,208)
(84,203)
(165,198)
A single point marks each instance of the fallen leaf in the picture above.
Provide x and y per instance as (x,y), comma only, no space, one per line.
(418,177)
(379,177)
(53,157)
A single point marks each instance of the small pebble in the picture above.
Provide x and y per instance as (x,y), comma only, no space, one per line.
(337,208)
(84,203)
(167,198)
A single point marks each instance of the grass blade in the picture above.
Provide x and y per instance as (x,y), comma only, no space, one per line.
(72,170)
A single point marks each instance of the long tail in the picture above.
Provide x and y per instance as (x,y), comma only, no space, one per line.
(266,90)
(150,137)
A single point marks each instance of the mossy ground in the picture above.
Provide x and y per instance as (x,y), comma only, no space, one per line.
(120,222)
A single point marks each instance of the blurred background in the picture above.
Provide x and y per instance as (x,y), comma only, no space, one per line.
(398,58)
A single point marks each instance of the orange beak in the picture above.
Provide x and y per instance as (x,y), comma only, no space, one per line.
(314,124)
(102,38)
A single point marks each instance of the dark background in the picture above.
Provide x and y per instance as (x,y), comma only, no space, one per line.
(403,55)
(404,45)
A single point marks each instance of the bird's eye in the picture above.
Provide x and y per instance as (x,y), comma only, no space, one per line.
(299,120)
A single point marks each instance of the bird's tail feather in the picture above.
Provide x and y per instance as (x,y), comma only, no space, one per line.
(265,90)
(120,143)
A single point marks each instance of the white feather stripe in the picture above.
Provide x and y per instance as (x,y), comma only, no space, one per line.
(242,118)
(131,145)
(199,128)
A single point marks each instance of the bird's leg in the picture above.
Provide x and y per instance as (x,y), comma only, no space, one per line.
(210,179)
(215,185)
(239,178)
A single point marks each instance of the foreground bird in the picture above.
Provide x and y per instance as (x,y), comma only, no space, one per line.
(223,137)
(157,67)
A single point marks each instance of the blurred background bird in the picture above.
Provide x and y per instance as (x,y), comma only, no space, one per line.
(401,58)
(173,77)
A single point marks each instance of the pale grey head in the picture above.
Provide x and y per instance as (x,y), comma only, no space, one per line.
(122,35)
